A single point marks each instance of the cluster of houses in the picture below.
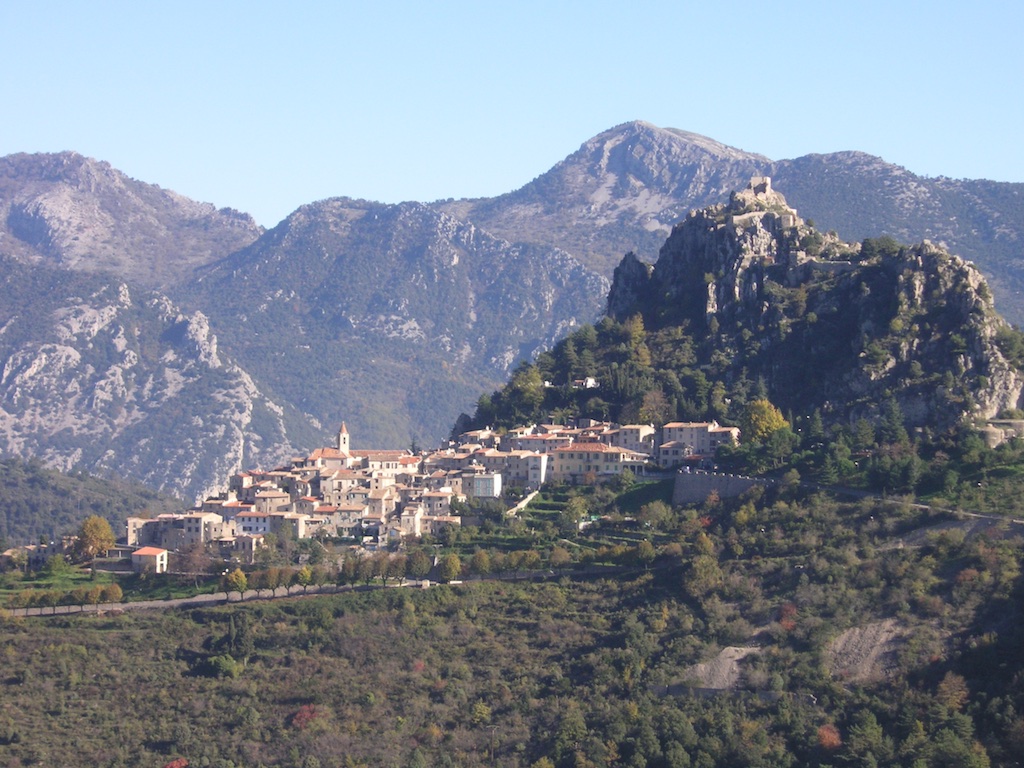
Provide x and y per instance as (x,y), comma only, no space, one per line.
(375,497)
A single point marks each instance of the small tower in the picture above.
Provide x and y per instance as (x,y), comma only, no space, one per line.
(343,445)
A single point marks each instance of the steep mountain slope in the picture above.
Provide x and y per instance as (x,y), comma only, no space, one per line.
(109,379)
(620,191)
(38,502)
(392,317)
(748,301)
(625,188)
(72,211)
(830,325)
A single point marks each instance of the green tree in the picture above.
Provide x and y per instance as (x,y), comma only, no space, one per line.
(570,517)
(892,429)
(94,536)
(531,560)
(366,569)
(347,572)
(112,593)
(655,514)
(381,566)
(703,576)
(654,408)
(57,567)
(236,581)
(50,599)
(645,553)
(572,730)
(258,581)
(272,578)
(523,395)
(760,420)
(450,568)
(480,563)
(559,557)
(304,577)
(481,714)
(398,566)
(863,434)
(419,564)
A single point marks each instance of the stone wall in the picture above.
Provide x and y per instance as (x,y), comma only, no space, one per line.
(695,487)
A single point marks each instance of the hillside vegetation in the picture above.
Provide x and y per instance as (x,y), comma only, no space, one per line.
(774,630)
(36,502)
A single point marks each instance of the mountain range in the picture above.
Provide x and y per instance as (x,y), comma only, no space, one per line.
(146,334)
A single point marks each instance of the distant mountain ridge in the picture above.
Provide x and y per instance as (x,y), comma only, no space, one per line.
(70,211)
(390,305)
(620,191)
(623,190)
(396,317)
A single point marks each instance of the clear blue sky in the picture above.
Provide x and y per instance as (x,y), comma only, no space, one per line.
(265,106)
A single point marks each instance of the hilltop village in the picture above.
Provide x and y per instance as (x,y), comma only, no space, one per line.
(377,498)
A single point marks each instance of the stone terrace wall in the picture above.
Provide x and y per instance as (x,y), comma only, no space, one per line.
(694,487)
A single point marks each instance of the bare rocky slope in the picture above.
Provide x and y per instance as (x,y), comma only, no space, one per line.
(119,381)
(74,212)
(391,317)
(621,191)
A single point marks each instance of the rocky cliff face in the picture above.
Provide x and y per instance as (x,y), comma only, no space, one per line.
(392,317)
(826,324)
(109,379)
(70,211)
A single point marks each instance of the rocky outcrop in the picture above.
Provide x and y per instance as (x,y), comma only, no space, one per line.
(630,285)
(625,189)
(826,324)
(100,377)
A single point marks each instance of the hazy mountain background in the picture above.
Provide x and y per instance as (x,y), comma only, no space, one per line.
(69,211)
(625,188)
(239,346)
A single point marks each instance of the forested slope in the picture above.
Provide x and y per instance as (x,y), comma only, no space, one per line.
(38,502)
(571,672)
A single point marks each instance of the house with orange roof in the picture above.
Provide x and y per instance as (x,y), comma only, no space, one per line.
(149,560)
(701,438)
(574,462)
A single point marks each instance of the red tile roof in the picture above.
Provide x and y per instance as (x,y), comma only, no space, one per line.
(150,552)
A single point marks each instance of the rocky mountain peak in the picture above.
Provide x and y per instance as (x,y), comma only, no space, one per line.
(622,190)
(839,325)
(75,212)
